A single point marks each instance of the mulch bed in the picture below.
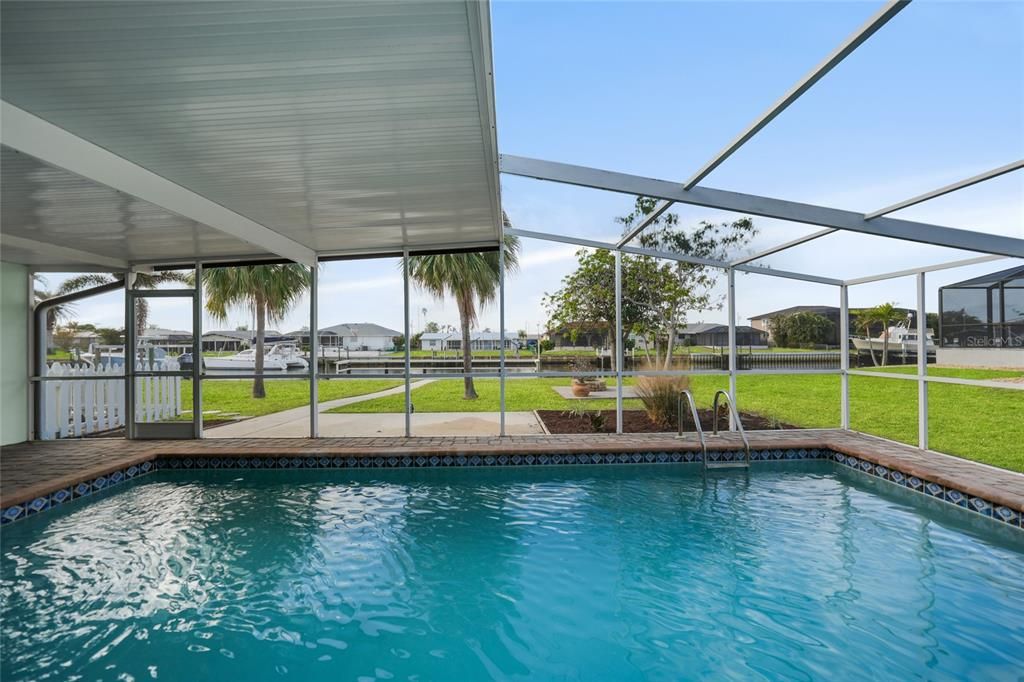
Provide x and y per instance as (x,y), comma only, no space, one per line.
(636,421)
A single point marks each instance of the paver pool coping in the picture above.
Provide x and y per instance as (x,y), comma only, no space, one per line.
(40,472)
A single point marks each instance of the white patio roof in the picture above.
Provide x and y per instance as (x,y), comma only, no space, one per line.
(138,133)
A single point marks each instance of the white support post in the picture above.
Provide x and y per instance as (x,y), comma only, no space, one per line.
(501,337)
(731,297)
(41,341)
(197,355)
(129,356)
(922,366)
(408,352)
(314,353)
(844,358)
(618,342)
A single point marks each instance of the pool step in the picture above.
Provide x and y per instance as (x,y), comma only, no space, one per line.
(727,465)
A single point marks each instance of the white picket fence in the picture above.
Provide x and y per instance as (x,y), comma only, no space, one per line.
(80,406)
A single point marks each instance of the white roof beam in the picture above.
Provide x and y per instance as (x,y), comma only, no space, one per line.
(669,255)
(925,268)
(974,180)
(854,41)
(767,207)
(782,247)
(62,255)
(36,137)
(803,85)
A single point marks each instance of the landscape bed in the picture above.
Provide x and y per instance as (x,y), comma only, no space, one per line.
(466,572)
(637,421)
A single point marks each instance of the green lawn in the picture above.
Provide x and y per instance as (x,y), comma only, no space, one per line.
(445,395)
(977,423)
(234,396)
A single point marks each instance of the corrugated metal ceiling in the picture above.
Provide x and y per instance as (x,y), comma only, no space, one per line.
(342,125)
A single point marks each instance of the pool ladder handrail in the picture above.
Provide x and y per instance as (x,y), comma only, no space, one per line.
(685,393)
(734,414)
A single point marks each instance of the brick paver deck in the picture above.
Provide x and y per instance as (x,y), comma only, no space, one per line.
(36,468)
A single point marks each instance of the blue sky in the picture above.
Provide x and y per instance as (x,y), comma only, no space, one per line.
(656,89)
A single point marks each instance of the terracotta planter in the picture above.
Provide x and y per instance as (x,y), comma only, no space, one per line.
(580,389)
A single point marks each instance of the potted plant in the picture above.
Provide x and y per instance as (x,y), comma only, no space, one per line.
(581,382)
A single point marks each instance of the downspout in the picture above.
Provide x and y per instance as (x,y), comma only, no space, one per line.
(39,324)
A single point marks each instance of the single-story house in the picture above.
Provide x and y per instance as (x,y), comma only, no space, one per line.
(479,340)
(763,322)
(435,340)
(581,335)
(717,334)
(237,339)
(83,338)
(170,340)
(351,336)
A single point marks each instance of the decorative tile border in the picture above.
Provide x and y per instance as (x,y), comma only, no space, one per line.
(85,488)
(934,490)
(477,460)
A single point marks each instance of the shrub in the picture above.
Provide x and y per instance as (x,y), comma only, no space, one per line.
(660,396)
(596,418)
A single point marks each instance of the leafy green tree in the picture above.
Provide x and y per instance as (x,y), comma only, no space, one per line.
(801,329)
(431,328)
(669,289)
(657,293)
(110,336)
(587,295)
(269,291)
(64,336)
(472,280)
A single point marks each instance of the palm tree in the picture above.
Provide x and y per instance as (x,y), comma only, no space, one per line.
(866,320)
(885,314)
(469,278)
(143,280)
(269,291)
(54,313)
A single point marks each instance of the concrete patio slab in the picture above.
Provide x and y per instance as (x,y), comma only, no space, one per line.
(387,424)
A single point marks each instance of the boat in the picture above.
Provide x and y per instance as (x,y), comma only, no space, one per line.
(290,353)
(902,340)
(113,356)
(279,357)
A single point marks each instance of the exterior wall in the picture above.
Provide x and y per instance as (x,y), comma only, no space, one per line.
(981,357)
(368,343)
(221,343)
(14,358)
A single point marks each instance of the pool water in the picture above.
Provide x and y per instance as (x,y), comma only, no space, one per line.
(599,573)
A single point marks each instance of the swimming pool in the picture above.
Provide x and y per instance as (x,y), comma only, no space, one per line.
(799,570)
